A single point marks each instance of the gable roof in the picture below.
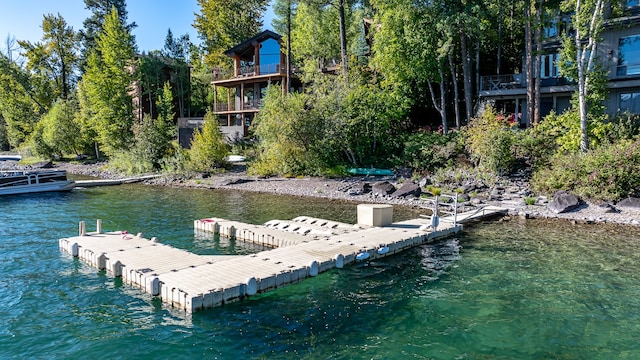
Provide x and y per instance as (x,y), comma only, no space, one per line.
(247,45)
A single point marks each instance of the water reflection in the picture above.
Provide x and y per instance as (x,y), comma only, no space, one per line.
(206,243)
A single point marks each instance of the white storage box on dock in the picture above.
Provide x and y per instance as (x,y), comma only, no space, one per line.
(375,214)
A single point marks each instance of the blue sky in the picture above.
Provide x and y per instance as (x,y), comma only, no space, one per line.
(22,19)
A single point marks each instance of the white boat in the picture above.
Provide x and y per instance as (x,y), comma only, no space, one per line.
(10,157)
(32,181)
(235,158)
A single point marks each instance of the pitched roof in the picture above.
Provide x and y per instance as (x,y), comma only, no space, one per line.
(248,44)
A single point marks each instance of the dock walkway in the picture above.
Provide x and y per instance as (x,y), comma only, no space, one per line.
(310,246)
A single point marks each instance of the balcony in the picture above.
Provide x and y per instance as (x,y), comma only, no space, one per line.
(501,82)
(247,71)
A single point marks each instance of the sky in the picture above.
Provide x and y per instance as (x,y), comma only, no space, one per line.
(22,19)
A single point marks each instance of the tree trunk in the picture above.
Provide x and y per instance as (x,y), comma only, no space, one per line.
(456,95)
(466,73)
(441,105)
(499,55)
(538,69)
(343,37)
(528,38)
(288,46)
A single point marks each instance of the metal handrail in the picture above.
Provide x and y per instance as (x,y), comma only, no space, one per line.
(453,206)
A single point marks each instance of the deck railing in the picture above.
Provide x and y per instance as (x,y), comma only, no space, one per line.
(249,70)
(233,106)
(501,82)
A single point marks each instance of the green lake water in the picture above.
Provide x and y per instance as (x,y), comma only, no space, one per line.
(499,290)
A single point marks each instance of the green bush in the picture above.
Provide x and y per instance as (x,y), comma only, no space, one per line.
(624,126)
(428,151)
(128,162)
(533,147)
(178,162)
(208,147)
(489,139)
(57,132)
(564,130)
(607,173)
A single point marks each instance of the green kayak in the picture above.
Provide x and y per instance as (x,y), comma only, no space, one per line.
(371,172)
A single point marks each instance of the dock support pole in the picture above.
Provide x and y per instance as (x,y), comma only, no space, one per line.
(82,229)
(99,226)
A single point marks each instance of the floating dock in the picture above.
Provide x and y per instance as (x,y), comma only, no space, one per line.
(112,182)
(301,248)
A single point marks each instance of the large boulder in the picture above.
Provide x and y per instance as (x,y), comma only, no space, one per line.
(563,202)
(42,165)
(408,189)
(382,188)
(629,203)
(360,188)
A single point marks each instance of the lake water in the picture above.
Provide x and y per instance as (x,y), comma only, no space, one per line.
(500,290)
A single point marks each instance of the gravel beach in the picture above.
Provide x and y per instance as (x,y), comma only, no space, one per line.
(342,189)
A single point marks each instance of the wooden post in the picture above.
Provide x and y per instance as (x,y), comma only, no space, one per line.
(256,58)
(236,65)
(215,98)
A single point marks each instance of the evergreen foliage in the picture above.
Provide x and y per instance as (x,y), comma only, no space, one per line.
(107,85)
(222,24)
(208,147)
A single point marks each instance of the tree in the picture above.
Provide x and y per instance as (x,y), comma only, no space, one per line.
(20,106)
(208,148)
(177,50)
(583,44)
(100,10)
(411,49)
(55,59)
(223,24)
(10,43)
(57,133)
(107,82)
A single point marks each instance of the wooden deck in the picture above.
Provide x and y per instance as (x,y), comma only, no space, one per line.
(302,247)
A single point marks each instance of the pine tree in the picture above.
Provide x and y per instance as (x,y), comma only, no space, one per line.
(107,83)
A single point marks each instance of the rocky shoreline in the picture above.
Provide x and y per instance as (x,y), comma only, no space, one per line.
(508,193)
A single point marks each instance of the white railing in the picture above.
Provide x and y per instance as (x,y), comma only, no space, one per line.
(449,207)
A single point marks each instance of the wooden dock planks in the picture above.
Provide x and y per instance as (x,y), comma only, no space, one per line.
(193,282)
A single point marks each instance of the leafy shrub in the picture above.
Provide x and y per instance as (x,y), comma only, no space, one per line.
(288,134)
(534,147)
(624,126)
(428,151)
(4,140)
(128,162)
(609,172)
(178,162)
(148,145)
(564,130)
(489,139)
(57,132)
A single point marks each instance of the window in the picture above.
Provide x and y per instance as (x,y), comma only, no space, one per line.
(630,102)
(629,55)
(549,68)
(269,56)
